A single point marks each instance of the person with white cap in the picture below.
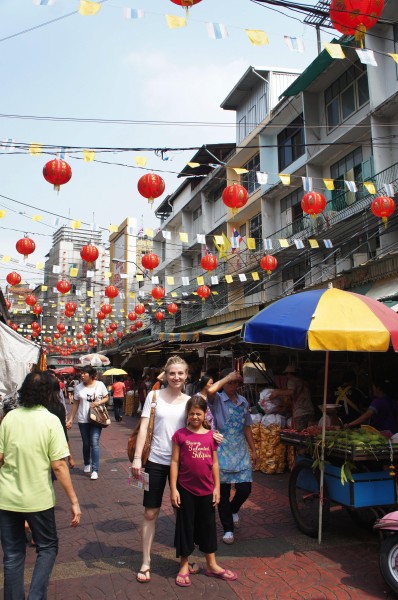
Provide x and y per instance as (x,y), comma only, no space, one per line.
(302,408)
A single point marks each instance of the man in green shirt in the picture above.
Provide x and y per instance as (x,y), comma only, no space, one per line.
(32,442)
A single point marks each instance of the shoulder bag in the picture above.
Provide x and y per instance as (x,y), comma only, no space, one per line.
(98,415)
(132,441)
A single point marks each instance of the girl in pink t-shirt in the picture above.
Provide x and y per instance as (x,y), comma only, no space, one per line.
(195,492)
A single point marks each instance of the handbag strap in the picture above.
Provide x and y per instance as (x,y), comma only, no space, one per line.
(152,416)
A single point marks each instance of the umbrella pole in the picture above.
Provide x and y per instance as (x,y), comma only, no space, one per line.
(322,462)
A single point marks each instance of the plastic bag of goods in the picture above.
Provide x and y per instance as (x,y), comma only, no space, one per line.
(272,453)
(270,405)
(256,419)
(256,432)
(278,420)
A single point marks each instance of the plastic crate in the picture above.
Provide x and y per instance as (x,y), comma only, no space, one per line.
(368,489)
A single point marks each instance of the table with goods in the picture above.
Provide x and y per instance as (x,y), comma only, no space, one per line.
(359,474)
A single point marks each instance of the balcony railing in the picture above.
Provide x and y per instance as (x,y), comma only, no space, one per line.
(337,209)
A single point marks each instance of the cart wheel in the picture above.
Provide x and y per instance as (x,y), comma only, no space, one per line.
(304,499)
(388,561)
(365,517)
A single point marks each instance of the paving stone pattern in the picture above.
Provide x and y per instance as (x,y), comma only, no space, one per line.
(274,561)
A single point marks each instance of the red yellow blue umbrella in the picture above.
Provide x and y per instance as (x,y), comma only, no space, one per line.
(330,320)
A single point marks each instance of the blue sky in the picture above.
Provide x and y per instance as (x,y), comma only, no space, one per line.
(108,67)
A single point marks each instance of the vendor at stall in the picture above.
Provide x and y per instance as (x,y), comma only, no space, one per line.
(303,412)
(382,413)
(352,399)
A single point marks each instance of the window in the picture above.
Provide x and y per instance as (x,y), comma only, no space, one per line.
(292,199)
(251,118)
(242,230)
(249,180)
(256,227)
(291,143)
(346,95)
(348,167)
(197,213)
(242,128)
(296,274)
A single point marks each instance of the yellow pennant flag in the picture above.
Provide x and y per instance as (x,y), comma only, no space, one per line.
(149,232)
(283,243)
(200,280)
(255,276)
(229,278)
(214,292)
(329,184)
(170,280)
(335,50)
(239,171)
(218,239)
(44,288)
(285,178)
(76,224)
(6,258)
(257,37)
(39,266)
(369,185)
(88,8)
(90,294)
(132,295)
(313,244)
(73,272)
(251,243)
(37,218)
(219,245)
(394,56)
(2,214)
(174,294)
(88,155)
(140,161)
(226,242)
(113,228)
(175,22)
(35,149)
(184,237)
(139,277)
(193,165)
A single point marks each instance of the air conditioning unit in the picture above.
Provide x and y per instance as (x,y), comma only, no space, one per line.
(360,258)
(288,286)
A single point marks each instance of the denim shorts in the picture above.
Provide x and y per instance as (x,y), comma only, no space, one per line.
(158,475)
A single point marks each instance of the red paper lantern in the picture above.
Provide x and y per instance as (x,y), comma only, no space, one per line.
(47,340)
(35,334)
(139,324)
(354,17)
(79,336)
(14,326)
(158,292)
(235,196)
(89,253)
(268,263)
(57,172)
(159,316)
(13,278)
(186,3)
(150,261)
(61,327)
(120,334)
(68,340)
(209,262)
(108,330)
(74,347)
(203,292)
(57,335)
(70,307)
(313,203)
(383,207)
(113,326)
(101,315)
(106,308)
(35,325)
(151,186)
(100,335)
(133,328)
(25,246)
(87,328)
(139,309)
(63,286)
(37,309)
(57,348)
(111,291)
(131,316)
(30,300)
(172,308)
(69,313)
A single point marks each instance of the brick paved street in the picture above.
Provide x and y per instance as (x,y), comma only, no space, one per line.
(273,559)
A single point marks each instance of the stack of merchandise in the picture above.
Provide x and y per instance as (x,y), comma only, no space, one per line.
(129,404)
(271,453)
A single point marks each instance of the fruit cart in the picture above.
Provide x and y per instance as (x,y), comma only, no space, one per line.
(359,474)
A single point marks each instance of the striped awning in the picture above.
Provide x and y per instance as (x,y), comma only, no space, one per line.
(223,328)
(190,336)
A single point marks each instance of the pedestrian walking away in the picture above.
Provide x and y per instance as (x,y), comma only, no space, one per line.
(195,492)
(32,443)
(119,394)
(88,393)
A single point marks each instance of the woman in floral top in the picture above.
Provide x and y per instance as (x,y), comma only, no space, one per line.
(233,420)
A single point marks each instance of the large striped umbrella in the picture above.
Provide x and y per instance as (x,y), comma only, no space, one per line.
(330,320)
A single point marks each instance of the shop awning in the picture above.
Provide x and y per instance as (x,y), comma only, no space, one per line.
(190,336)
(384,288)
(224,328)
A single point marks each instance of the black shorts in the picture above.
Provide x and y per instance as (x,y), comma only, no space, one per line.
(158,475)
(195,524)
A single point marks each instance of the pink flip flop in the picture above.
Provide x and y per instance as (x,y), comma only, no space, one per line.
(222,575)
(186,578)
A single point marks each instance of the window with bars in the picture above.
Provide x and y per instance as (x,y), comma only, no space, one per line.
(291,143)
(256,227)
(249,180)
